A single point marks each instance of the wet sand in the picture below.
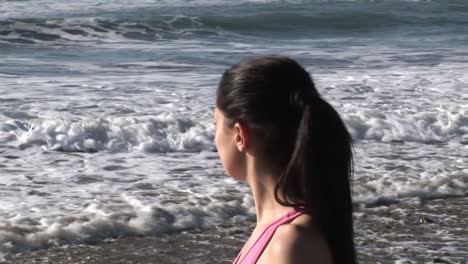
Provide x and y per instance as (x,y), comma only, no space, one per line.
(428,231)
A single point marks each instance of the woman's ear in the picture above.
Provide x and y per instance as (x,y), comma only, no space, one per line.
(242,136)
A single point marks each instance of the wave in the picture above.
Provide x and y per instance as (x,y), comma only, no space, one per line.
(96,30)
(332,21)
(166,133)
(97,223)
(159,134)
(424,127)
(387,190)
(152,25)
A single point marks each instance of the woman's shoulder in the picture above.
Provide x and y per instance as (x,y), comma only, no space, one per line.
(299,241)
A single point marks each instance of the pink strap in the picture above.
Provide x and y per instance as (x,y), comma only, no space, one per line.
(262,241)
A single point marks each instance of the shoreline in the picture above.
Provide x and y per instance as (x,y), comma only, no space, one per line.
(413,231)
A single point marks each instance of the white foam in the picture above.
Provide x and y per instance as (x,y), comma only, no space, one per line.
(96,222)
(428,186)
(409,125)
(163,133)
(166,132)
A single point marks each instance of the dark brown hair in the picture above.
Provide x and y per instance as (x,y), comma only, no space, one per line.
(302,137)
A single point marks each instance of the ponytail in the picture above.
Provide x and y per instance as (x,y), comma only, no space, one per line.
(317,177)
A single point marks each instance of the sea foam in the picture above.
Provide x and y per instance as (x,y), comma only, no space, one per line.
(97,223)
(162,133)
(167,133)
(437,126)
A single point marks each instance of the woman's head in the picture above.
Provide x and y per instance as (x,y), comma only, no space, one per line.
(262,95)
(298,134)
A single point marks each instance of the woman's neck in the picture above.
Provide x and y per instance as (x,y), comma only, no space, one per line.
(262,184)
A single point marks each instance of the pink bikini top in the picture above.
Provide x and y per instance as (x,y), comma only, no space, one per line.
(262,241)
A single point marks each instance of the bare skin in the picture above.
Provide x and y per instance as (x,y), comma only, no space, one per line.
(296,242)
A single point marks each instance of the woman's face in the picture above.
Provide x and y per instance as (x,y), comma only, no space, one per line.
(225,140)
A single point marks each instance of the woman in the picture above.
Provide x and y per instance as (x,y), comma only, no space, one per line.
(274,131)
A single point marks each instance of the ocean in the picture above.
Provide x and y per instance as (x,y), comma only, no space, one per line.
(106,120)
